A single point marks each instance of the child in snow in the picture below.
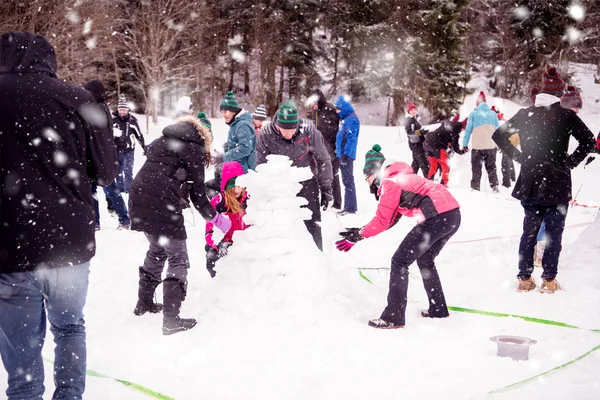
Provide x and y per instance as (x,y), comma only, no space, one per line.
(231,202)
(401,192)
(436,144)
(259,116)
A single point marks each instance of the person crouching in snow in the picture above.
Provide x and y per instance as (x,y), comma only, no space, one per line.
(401,192)
(179,155)
(435,146)
(232,203)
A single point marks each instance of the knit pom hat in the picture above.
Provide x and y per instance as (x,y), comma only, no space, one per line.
(287,116)
(229,103)
(260,113)
(373,161)
(122,103)
(410,106)
(534,92)
(204,120)
(571,98)
(481,98)
(184,104)
(552,83)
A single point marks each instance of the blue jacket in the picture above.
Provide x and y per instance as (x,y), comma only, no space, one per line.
(347,137)
(481,124)
(241,141)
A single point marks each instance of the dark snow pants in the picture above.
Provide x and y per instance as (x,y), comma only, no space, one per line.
(483,157)
(335,185)
(310,191)
(419,159)
(508,171)
(554,217)
(422,244)
(166,249)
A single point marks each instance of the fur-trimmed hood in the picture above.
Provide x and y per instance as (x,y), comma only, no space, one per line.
(187,128)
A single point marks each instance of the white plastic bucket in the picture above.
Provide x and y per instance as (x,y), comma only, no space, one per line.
(515,347)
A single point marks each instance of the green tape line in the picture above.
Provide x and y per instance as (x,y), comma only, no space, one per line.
(364,277)
(132,385)
(528,319)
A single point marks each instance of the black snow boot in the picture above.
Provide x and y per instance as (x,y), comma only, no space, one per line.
(146,288)
(173,296)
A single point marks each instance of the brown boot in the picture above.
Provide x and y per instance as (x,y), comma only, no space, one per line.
(549,286)
(526,285)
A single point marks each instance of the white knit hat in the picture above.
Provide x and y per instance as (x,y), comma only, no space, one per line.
(122,103)
(260,113)
(184,104)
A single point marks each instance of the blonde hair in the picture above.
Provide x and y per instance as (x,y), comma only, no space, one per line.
(232,202)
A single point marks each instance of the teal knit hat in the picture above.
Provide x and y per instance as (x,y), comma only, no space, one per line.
(287,116)
(373,160)
(229,103)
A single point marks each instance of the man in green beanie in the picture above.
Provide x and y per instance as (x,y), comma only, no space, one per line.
(299,139)
(241,140)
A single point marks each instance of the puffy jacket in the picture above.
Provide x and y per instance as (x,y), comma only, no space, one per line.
(326,120)
(403,193)
(55,141)
(347,136)
(130,132)
(482,123)
(241,141)
(446,134)
(413,130)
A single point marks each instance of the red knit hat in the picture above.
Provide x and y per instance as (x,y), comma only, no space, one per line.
(534,92)
(481,98)
(456,118)
(410,106)
(571,98)
(552,84)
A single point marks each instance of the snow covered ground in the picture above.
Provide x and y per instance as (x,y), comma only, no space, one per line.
(324,349)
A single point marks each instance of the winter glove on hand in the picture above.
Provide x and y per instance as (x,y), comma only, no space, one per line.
(344,160)
(351,236)
(117,132)
(418,132)
(217,158)
(326,198)
(223,248)
(589,160)
(222,222)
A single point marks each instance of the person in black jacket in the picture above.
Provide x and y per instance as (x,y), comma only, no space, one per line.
(415,141)
(179,156)
(435,145)
(298,139)
(126,128)
(327,122)
(54,144)
(544,182)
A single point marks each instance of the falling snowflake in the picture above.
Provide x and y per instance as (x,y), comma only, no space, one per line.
(91,43)
(522,13)
(577,12)
(238,55)
(60,158)
(87,27)
(572,35)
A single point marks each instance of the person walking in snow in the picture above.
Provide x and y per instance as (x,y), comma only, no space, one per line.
(55,143)
(180,155)
(232,203)
(259,116)
(401,192)
(299,139)
(481,123)
(415,140)
(345,149)
(507,166)
(241,140)
(435,145)
(127,131)
(326,120)
(544,182)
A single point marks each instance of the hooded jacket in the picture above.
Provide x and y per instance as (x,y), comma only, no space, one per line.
(481,123)
(326,121)
(403,193)
(241,141)
(544,133)
(176,157)
(54,143)
(347,136)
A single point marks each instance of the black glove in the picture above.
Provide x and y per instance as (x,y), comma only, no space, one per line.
(326,198)
(223,248)
(145,150)
(589,160)
(345,160)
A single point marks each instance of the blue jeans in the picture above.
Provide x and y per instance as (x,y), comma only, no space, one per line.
(113,194)
(553,217)
(349,188)
(25,299)
(125,174)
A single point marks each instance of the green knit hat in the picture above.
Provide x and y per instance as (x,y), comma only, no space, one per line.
(373,161)
(231,183)
(204,120)
(229,103)
(287,116)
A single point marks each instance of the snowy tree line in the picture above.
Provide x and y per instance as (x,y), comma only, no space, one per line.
(409,50)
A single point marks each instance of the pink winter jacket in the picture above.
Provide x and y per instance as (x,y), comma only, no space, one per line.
(404,193)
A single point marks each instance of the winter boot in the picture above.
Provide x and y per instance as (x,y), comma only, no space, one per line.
(526,285)
(539,253)
(425,314)
(382,324)
(173,295)
(495,189)
(146,288)
(549,286)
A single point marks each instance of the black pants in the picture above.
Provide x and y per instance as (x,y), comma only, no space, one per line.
(310,191)
(419,159)
(422,244)
(508,171)
(162,250)
(335,185)
(483,157)
(554,216)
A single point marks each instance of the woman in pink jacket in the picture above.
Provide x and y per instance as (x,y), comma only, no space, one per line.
(401,192)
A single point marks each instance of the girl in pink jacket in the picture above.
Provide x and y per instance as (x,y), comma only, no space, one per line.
(231,202)
(401,192)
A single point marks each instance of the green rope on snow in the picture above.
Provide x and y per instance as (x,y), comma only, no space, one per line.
(528,319)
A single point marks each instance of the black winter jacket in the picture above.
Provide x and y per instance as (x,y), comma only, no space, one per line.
(179,156)
(446,134)
(326,121)
(54,142)
(413,131)
(544,133)
(130,131)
